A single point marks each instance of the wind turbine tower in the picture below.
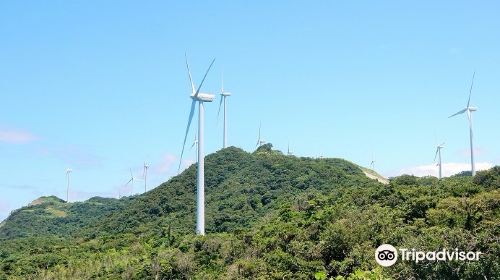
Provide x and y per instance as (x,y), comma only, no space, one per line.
(438,155)
(469,109)
(260,142)
(200,98)
(145,175)
(68,172)
(223,95)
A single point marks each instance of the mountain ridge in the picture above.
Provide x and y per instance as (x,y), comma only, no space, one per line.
(230,168)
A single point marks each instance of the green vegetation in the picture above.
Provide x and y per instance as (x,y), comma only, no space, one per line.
(269,216)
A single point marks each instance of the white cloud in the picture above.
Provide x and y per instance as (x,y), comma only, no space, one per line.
(454,51)
(4,206)
(448,169)
(4,209)
(13,136)
(169,163)
(166,164)
(73,156)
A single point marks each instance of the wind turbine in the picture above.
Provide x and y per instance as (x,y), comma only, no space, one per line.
(438,155)
(68,172)
(195,145)
(199,97)
(223,95)
(288,152)
(372,163)
(145,175)
(131,179)
(260,142)
(469,109)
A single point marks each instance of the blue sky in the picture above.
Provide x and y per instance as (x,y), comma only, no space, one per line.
(101,86)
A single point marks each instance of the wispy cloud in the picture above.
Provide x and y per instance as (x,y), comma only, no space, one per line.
(449,169)
(73,156)
(18,187)
(4,206)
(14,136)
(4,209)
(454,51)
(168,165)
(165,165)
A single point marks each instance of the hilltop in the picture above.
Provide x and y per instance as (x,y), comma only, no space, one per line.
(46,200)
(52,216)
(269,216)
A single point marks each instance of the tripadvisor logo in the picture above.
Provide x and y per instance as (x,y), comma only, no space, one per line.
(387,255)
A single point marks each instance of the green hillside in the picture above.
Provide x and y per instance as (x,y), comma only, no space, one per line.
(269,216)
(51,216)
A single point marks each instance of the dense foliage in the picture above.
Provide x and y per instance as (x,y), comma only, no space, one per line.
(269,216)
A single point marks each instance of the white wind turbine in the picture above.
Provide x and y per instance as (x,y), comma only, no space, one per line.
(260,142)
(195,145)
(145,175)
(372,163)
(223,95)
(199,97)
(288,152)
(132,179)
(438,156)
(469,109)
(68,172)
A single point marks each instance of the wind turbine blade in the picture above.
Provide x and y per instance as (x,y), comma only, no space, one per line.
(222,88)
(191,113)
(458,113)
(435,156)
(189,72)
(220,105)
(470,90)
(206,73)
(194,142)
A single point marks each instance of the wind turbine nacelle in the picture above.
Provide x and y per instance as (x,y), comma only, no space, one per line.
(225,93)
(472,109)
(204,97)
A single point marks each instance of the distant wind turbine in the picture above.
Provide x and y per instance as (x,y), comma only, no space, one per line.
(131,179)
(469,109)
(438,156)
(145,176)
(223,95)
(199,97)
(68,172)
(260,142)
(195,145)
(288,152)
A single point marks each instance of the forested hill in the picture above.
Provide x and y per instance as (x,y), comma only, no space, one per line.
(269,216)
(240,188)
